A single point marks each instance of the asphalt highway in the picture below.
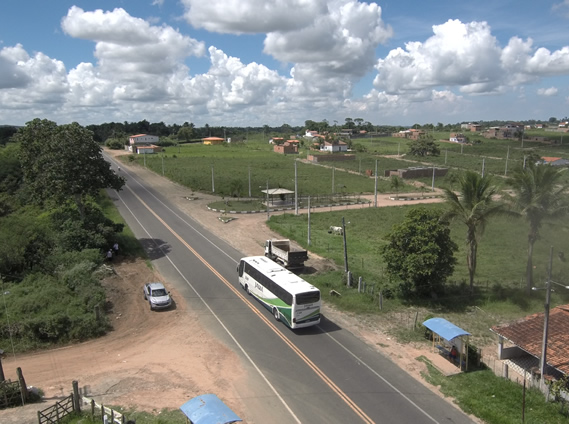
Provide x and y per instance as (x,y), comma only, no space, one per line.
(321,374)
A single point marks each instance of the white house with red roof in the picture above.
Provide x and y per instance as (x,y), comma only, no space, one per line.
(143,139)
(553,161)
(143,143)
(334,146)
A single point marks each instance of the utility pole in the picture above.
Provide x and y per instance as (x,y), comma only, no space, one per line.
(162,163)
(333,169)
(543,360)
(268,216)
(507,157)
(249,181)
(309,220)
(212,181)
(375,187)
(295,188)
(433,182)
(345,246)
(483,166)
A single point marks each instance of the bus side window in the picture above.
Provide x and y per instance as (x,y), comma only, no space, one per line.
(241,264)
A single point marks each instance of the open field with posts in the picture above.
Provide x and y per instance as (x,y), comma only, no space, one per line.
(230,169)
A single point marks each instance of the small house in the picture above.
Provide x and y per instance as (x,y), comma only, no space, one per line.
(553,161)
(334,146)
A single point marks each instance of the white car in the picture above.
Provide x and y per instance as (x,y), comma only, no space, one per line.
(157,295)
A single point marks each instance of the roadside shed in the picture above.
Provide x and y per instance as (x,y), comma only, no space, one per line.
(446,335)
(208,409)
(282,194)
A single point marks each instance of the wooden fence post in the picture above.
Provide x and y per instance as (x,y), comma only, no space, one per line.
(23,387)
(76,398)
(103,412)
(92,409)
(39,417)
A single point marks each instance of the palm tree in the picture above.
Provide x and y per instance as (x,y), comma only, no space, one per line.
(538,196)
(473,207)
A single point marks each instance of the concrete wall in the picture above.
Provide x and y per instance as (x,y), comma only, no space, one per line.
(416,172)
(330,158)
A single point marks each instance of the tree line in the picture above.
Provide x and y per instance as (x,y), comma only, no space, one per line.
(53,234)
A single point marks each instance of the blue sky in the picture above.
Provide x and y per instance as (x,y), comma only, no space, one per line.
(254,62)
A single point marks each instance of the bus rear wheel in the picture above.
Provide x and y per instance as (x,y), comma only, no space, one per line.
(247,289)
(276,314)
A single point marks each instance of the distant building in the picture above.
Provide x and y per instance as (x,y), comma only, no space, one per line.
(457,138)
(141,140)
(212,140)
(553,161)
(411,134)
(146,150)
(334,146)
(287,148)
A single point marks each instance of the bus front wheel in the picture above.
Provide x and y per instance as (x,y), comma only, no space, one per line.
(247,289)
(276,314)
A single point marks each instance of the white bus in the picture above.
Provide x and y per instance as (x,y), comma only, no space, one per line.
(291,299)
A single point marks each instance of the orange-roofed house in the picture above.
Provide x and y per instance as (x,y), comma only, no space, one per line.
(553,161)
(525,338)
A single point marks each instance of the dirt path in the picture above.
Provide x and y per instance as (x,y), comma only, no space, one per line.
(155,360)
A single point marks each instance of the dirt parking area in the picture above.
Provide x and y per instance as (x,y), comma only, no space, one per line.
(156,360)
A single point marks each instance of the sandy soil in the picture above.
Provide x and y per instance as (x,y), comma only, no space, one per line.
(144,362)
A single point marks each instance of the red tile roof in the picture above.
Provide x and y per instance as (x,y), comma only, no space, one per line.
(528,335)
(549,159)
(138,135)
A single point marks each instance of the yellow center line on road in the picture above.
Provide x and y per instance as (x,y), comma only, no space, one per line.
(302,356)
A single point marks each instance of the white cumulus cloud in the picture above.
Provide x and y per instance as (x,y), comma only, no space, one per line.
(547,92)
(252,16)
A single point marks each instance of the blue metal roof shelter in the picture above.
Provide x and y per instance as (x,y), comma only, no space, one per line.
(443,329)
(447,330)
(208,409)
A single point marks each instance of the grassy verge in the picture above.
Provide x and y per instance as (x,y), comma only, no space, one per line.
(128,243)
(493,399)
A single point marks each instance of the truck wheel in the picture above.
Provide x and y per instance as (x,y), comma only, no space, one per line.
(276,314)
(247,289)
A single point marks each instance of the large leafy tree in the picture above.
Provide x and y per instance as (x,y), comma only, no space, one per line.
(63,163)
(424,146)
(474,207)
(539,195)
(420,252)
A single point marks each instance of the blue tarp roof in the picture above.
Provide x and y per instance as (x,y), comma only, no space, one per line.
(447,330)
(208,409)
